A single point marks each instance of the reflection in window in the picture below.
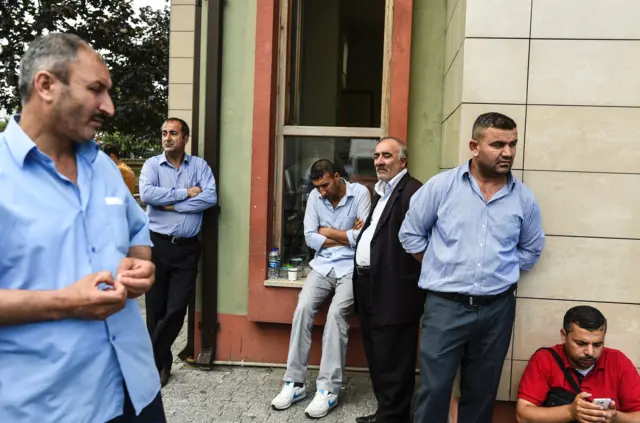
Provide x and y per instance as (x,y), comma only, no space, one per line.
(353,156)
(334,71)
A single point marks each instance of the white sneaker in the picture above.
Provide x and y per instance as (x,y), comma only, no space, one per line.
(288,396)
(322,403)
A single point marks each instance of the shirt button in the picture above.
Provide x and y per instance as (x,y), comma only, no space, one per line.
(113,338)
(478,264)
(483,225)
(481,244)
(93,249)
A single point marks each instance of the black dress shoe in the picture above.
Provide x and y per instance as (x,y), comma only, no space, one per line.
(165,373)
(367,419)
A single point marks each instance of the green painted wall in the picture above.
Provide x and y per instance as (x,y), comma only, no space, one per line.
(426,87)
(236,128)
(235,154)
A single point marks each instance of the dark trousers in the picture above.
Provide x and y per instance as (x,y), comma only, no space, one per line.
(152,413)
(474,337)
(391,353)
(168,299)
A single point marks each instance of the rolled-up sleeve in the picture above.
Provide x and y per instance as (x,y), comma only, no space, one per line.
(420,218)
(532,237)
(363,206)
(314,240)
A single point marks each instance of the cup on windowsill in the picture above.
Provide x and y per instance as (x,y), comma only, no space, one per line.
(292,274)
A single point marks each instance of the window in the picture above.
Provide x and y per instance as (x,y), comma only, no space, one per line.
(333,95)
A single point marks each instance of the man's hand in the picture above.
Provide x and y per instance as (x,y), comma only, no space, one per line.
(586,412)
(611,413)
(358,224)
(193,191)
(136,275)
(90,302)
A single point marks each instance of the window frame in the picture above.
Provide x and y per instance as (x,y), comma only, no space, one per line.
(283,94)
(276,305)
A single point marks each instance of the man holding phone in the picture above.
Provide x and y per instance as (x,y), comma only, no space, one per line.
(608,382)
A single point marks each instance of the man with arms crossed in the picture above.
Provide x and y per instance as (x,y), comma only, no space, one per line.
(75,254)
(385,284)
(473,228)
(177,189)
(332,222)
(600,372)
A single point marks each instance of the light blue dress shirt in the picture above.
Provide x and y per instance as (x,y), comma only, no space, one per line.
(356,203)
(54,233)
(472,247)
(161,184)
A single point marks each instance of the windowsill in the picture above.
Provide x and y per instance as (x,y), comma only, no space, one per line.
(283,283)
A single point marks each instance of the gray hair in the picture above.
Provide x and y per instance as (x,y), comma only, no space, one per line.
(52,53)
(403,147)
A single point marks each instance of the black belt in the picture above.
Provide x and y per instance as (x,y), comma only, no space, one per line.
(363,270)
(475,300)
(175,239)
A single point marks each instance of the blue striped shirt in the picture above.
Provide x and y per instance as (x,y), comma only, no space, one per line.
(320,213)
(472,247)
(53,233)
(161,184)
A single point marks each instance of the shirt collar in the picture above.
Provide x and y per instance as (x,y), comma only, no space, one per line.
(163,158)
(383,188)
(21,145)
(466,172)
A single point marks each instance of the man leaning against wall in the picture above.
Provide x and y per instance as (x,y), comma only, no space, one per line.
(473,228)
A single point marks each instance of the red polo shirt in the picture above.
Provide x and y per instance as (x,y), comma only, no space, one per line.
(613,376)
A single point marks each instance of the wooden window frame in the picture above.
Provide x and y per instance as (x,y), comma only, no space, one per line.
(268,304)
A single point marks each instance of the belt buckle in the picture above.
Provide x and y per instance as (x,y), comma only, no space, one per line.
(471,300)
(173,240)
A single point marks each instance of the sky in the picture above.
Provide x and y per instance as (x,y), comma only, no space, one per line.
(156,4)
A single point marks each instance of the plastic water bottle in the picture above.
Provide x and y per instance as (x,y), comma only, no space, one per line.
(274,264)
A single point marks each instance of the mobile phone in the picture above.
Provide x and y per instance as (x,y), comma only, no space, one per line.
(603,402)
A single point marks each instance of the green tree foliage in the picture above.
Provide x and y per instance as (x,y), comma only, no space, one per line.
(135,47)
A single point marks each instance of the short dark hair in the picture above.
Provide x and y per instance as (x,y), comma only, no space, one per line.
(184,128)
(320,167)
(585,317)
(491,120)
(110,149)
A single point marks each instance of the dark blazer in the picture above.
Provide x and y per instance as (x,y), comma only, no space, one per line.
(396,298)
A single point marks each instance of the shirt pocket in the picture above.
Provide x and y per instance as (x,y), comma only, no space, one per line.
(345,223)
(505,230)
(117,223)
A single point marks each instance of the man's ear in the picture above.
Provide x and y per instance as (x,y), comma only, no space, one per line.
(474,146)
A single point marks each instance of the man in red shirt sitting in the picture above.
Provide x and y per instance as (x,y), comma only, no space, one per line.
(604,375)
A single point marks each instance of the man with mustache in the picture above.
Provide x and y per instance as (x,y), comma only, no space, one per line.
(473,228)
(333,219)
(599,372)
(177,188)
(385,285)
(75,253)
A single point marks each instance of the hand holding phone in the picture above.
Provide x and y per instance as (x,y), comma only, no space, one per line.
(602,402)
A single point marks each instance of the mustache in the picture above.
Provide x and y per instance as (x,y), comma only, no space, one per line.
(99,117)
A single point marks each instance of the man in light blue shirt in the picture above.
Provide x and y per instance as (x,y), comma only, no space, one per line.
(177,189)
(473,228)
(75,254)
(334,216)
